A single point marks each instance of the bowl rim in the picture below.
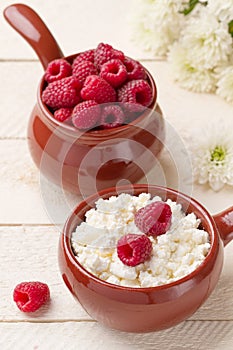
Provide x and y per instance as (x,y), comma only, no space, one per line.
(74,131)
(213,233)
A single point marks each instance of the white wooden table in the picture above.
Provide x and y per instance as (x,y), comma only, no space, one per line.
(28,239)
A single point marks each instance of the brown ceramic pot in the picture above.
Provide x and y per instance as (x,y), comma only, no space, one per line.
(90,161)
(146,309)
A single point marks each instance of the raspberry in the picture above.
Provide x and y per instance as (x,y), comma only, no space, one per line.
(134,69)
(104,53)
(154,219)
(62,114)
(86,115)
(82,69)
(132,111)
(85,56)
(114,72)
(97,89)
(30,296)
(136,91)
(62,93)
(134,249)
(133,108)
(111,117)
(57,70)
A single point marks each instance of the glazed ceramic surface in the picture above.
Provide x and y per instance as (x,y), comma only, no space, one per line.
(84,162)
(145,309)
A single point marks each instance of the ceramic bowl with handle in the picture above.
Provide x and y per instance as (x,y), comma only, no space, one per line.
(146,309)
(89,161)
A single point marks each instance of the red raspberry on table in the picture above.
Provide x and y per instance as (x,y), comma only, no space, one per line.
(134,249)
(57,70)
(86,115)
(104,53)
(114,72)
(85,56)
(30,296)
(62,93)
(82,69)
(154,219)
(97,89)
(111,117)
(63,114)
(136,91)
(134,69)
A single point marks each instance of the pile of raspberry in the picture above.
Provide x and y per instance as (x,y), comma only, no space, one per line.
(101,89)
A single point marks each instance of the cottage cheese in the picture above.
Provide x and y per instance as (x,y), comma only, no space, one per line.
(175,254)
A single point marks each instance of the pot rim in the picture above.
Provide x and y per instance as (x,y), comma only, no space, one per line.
(209,221)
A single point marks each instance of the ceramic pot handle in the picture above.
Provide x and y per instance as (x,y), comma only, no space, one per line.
(31,27)
(224,222)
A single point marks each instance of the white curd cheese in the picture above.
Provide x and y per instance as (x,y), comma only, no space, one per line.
(175,254)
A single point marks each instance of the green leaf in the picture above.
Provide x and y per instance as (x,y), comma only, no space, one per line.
(191,5)
(230,27)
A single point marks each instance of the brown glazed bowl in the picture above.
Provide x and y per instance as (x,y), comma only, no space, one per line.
(146,309)
(84,162)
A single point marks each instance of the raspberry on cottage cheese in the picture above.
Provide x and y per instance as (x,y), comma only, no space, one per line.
(174,255)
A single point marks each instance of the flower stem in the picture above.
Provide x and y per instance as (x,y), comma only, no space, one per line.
(230,27)
(191,5)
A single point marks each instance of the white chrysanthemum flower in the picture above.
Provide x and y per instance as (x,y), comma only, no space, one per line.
(212,155)
(225,84)
(223,10)
(156,24)
(187,75)
(207,40)
(230,62)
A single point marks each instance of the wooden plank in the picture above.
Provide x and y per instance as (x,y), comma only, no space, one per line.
(18,90)
(190,335)
(220,302)
(30,253)
(26,196)
(85,28)
(20,194)
(29,198)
